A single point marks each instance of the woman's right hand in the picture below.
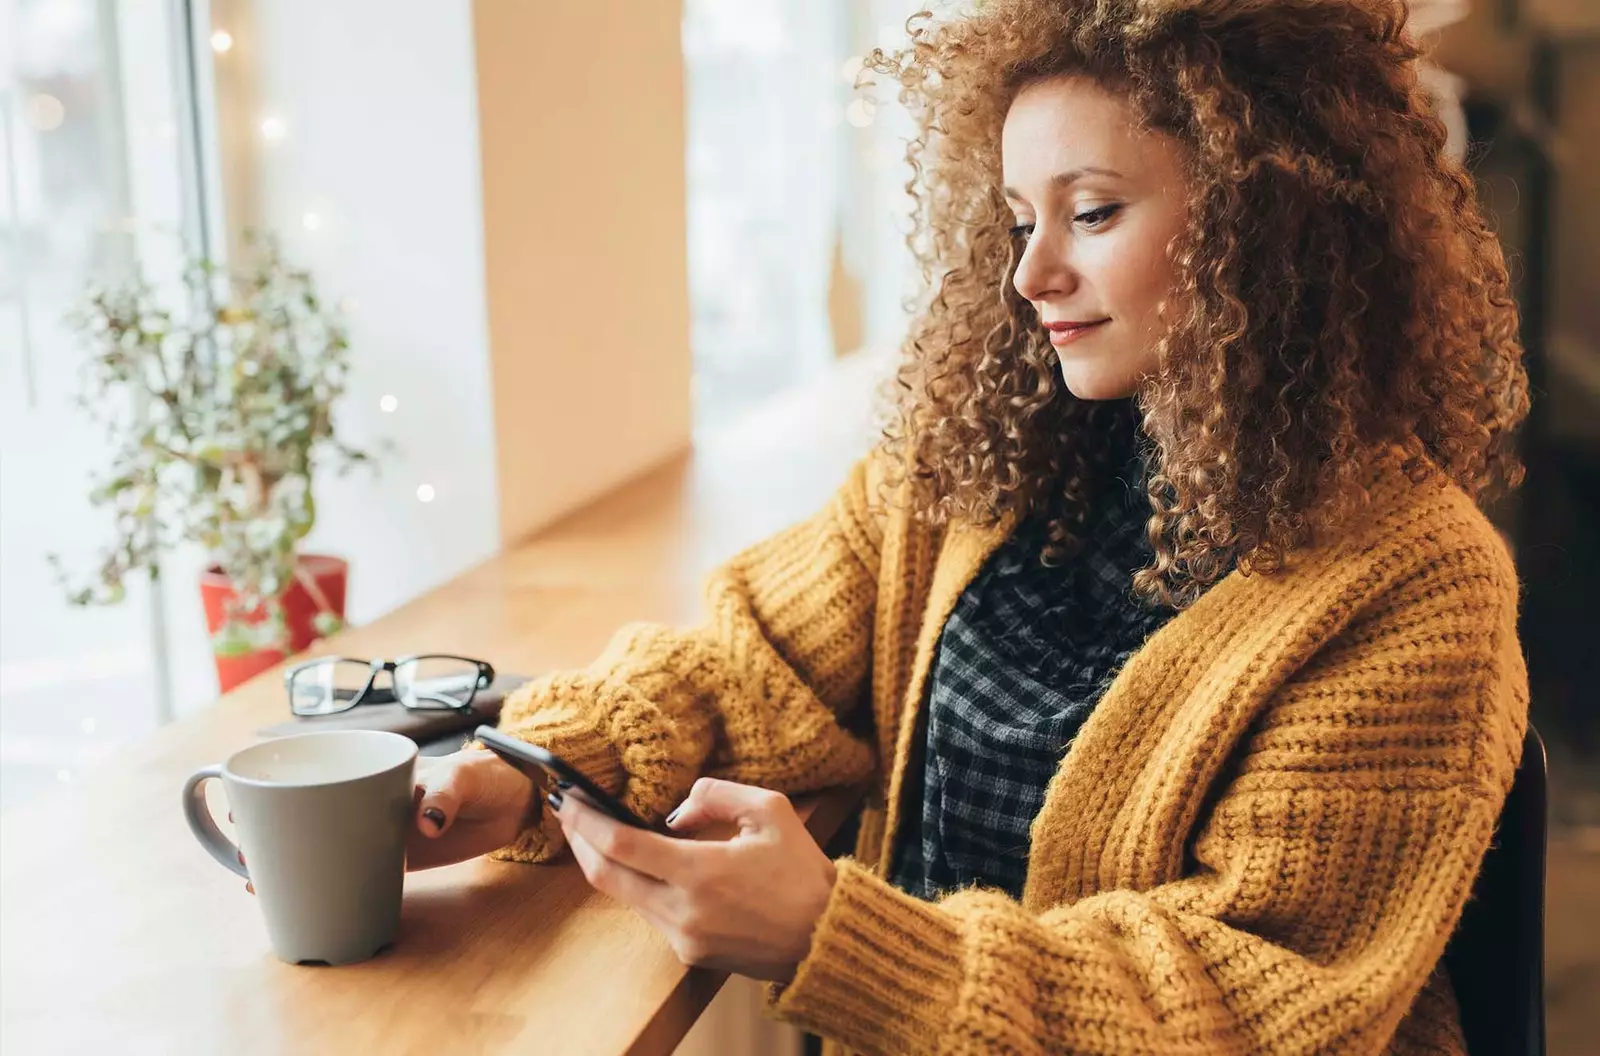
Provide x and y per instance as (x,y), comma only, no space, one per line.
(467,804)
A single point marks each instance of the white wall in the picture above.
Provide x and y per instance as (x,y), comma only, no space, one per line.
(374,185)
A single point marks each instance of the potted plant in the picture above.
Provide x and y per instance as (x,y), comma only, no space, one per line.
(220,414)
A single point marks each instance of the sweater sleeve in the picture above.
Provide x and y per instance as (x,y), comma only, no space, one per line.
(759,693)
(1322,885)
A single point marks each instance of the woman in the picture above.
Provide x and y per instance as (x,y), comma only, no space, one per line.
(1164,621)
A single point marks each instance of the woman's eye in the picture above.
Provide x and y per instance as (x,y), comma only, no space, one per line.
(1095,217)
(1090,219)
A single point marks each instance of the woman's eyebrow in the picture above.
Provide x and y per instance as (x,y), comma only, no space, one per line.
(1066,179)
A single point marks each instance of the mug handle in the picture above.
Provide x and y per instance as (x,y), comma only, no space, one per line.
(203,825)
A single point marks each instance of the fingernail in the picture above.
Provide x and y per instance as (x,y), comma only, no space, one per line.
(675,812)
(241,858)
(563,784)
(435,815)
(554,799)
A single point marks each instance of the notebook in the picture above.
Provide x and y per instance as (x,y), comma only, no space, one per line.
(437,732)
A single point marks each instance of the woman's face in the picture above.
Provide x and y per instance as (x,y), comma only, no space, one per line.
(1097,201)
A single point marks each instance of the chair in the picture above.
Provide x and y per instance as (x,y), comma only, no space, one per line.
(1496,956)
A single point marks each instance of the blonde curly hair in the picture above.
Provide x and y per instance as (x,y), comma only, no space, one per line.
(1337,287)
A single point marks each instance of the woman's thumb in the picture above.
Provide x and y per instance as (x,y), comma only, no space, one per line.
(439,803)
(713,800)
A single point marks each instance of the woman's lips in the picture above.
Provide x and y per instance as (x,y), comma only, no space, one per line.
(1066,333)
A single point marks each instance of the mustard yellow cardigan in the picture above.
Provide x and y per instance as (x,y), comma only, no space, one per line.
(1259,842)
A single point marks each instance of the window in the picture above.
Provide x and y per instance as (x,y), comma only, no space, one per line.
(92,182)
(765,107)
(797,205)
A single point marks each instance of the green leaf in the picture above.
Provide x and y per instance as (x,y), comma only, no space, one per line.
(231,641)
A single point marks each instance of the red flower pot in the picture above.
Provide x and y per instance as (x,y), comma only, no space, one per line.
(245,650)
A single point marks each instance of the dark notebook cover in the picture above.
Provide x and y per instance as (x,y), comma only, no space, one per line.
(438,731)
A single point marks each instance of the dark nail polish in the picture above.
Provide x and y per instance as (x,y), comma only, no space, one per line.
(563,785)
(435,815)
(554,799)
(675,812)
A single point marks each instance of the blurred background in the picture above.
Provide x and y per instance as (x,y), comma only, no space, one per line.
(567,239)
(1528,75)
(138,133)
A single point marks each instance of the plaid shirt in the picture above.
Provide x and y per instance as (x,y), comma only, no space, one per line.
(1027,652)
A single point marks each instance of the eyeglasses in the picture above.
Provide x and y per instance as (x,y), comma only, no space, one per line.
(429,682)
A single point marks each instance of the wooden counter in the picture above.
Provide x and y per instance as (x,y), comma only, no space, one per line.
(119,934)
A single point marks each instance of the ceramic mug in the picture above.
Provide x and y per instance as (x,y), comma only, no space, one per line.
(322,820)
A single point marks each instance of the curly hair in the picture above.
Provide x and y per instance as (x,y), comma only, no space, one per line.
(1338,292)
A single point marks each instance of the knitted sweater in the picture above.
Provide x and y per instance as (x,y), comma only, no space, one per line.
(1260,841)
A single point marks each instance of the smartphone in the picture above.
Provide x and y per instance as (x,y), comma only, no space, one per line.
(531,760)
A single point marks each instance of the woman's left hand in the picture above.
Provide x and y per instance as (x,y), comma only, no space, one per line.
(746,904)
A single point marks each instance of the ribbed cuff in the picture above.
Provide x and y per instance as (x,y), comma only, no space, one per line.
(578,739)
(540,841)
(884,970)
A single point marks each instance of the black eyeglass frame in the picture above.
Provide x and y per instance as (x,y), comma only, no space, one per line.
(370,693)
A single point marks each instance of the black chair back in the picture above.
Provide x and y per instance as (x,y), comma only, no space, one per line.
(1496,956)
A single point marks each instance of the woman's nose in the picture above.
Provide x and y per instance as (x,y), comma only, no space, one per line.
(1042,275)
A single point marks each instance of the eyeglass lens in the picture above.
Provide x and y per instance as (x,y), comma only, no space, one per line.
(327,687)
(436,682)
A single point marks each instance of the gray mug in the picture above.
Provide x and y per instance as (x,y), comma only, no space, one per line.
(322,820)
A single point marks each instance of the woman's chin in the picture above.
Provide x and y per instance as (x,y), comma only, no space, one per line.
(1091,380)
